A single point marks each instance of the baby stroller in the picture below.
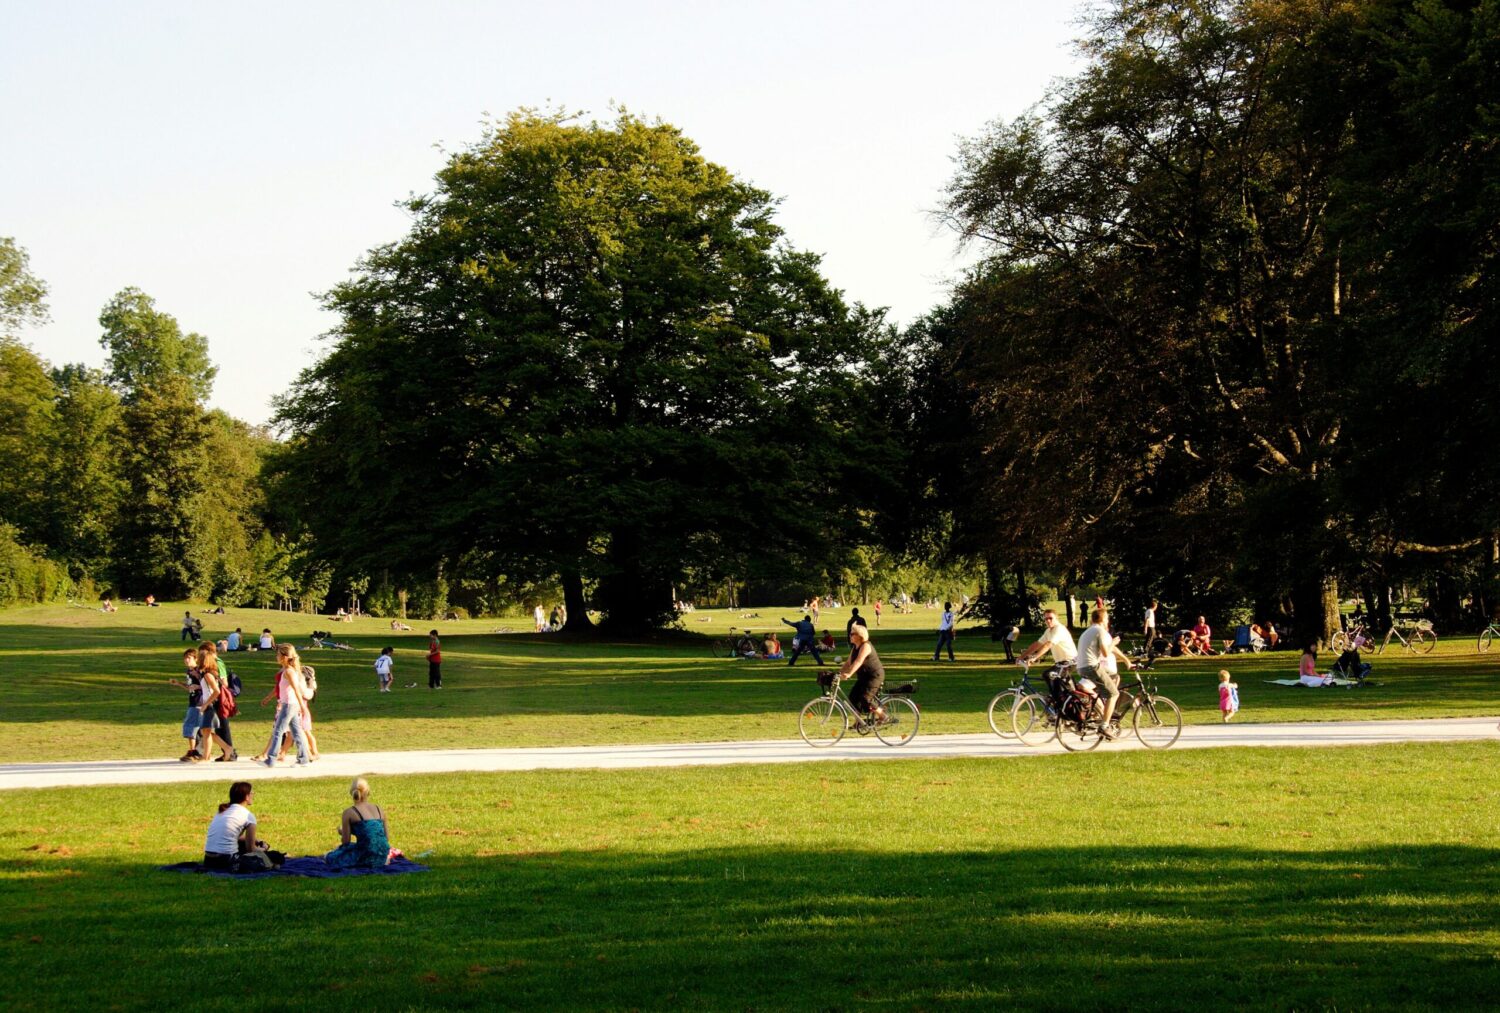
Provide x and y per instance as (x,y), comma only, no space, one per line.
(1350,666)
(1246,641)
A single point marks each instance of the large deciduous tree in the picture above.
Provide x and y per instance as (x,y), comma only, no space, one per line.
(593,356)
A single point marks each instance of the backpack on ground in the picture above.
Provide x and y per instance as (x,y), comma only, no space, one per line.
(233,681)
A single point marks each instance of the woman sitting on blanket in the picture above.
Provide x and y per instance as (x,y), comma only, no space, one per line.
(1308,673)
(231,845)
(364,822)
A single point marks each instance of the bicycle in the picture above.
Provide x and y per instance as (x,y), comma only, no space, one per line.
(1004,702)
(1421,640)
(1487,637)
(1355,636)
(824,719)
(733,646)
(1071,714)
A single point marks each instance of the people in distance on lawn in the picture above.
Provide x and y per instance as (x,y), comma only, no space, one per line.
(945,633)
(435,660)
(232,832)
(189,627)
(383,667)
(1201,634)
(805,639)
(267,642)
(869,675)
(397,624)
(1054,636)
(877,613)
(1009,642)
(192,720)
(1307,673)
(1229,696)
(151,601)
(364,831)
(1272,637)
(772,648)
(828,643)
(107,606)
(855,619)
(1148,623)
(540,617)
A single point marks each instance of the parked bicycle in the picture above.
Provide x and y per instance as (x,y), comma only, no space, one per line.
(1419,638)
(824,719)
(999,710)
(1356,636)
(1071,713)
(1488,636)
(736,645)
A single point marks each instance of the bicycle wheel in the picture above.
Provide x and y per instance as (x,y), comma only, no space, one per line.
(1485,639)
(1157,722)
(1422,641)
(999,713)
(1033,720)
(1076,736)
(719,647)
(1338,642)
(900,725)
(1367,644)
(822,722)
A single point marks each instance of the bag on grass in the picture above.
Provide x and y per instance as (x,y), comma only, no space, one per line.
(235,686)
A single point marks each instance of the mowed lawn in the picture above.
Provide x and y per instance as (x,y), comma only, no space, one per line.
(77,684)
(1352,878)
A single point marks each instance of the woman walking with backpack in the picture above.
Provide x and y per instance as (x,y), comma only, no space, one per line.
(220,705)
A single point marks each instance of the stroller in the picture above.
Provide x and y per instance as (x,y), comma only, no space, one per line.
(1351,667)
(1246,641)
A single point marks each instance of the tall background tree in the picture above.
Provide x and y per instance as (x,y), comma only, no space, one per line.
(595,357)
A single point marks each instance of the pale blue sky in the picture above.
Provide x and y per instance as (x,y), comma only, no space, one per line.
(232,161)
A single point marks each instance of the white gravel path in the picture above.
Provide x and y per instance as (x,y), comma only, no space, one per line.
(685,754)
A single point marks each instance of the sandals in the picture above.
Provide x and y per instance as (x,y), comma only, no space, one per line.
(228,757)
(191,756)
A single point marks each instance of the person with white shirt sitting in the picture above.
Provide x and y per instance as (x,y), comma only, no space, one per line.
(1096,648)
(231,845)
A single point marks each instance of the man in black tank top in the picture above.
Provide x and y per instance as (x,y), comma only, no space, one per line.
(869,675)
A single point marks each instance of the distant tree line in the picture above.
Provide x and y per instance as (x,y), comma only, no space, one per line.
(1229,344)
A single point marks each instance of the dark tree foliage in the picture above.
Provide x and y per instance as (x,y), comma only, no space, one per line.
(593,356)
(1233,270)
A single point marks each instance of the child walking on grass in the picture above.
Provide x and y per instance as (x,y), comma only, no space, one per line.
(1229,696)
(383,666)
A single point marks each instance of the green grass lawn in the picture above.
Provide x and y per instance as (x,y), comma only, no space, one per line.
(1353,878)
(78,684)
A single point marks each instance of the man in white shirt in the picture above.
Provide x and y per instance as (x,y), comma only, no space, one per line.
(1149,625)
(1054,635)
(945,633)
(1094,646)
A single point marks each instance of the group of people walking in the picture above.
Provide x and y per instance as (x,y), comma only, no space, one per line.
(212,690)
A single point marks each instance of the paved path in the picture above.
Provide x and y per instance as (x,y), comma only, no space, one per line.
(432,761)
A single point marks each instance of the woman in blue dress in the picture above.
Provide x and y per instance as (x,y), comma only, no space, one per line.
(364,831)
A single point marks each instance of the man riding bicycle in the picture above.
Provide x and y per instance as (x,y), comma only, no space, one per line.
(1095,648)
(1054,635)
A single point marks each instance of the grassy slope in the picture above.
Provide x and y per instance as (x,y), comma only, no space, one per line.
(1275,879)
(81,685)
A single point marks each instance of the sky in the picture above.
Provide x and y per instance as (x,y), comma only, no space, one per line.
(233,162)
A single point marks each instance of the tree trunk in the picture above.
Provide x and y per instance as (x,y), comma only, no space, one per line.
(1382,606)
(574,604)
(1315,610)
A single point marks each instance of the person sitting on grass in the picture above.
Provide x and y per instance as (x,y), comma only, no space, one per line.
(1201,637)
(364,831)
(1307,672)
(828,643)
(396,624)
(772,647)
(231,840)
(107,606)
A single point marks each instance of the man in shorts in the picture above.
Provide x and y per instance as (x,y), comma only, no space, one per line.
(1094,646)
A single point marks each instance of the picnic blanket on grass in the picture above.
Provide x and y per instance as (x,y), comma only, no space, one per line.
(311,866)
(1346,683)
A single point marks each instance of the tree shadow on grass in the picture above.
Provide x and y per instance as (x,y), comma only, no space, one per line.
(837,928)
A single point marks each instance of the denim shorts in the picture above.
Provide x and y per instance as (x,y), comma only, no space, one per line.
(192,722)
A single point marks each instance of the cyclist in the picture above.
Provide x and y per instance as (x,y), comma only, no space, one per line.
(869,675)
(1096,648)
(1054,635)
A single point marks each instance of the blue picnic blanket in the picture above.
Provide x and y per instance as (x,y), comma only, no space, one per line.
(311,866)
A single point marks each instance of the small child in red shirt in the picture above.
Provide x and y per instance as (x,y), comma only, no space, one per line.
(434,661)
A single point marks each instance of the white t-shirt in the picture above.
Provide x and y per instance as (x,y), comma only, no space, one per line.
(224,832)
(1060,640)
(266,643)
(1093,647)
(1151,618)
(383,666)
(947,621)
